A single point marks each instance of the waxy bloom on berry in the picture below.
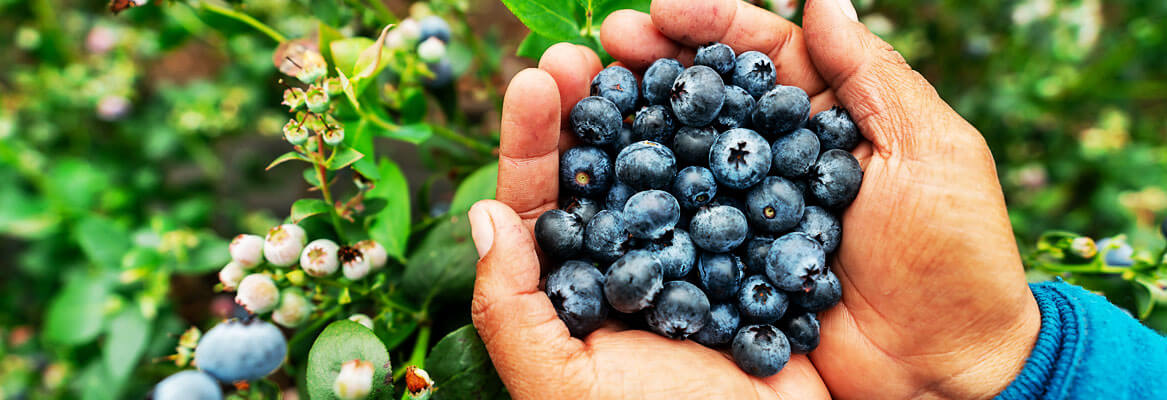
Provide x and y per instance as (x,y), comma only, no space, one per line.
(319,258)
(283,244)
(246,250)
(257,293)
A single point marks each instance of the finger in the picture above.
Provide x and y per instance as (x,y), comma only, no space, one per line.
(797,380)
(515,319)
(631,37)
(572,66)
(528,148)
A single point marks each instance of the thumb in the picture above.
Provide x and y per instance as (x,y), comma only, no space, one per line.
(515,319)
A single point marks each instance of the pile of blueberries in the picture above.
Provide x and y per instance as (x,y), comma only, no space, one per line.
(712,214)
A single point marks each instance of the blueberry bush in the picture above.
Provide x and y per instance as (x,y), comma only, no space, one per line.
(140,139)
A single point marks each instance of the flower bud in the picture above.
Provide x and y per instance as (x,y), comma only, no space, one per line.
(1084,247)
(317,99)
(257,293)
(362,319)
(319,258)
(283,244)
(294,99)
(294,309)
(374,252)
(355,380)
(246,250)
(354,264)
(295,132)
(333,87)
(334,136)
(431,50)
(417,383)
(230,276)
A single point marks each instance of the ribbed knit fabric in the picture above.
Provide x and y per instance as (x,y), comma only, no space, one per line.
(1089,349)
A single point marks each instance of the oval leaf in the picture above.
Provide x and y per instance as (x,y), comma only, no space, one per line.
(127,335)
(75,316)
(289,156)
(344,341)
(443,265)
(305,208)
(461,368)
(554,19)
(391,226)
(479,185)
(343,158)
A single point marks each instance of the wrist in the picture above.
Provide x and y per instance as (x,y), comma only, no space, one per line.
(992,361)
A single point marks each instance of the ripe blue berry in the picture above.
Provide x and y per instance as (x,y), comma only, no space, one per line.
(760,350)
(595,120)
(188,385)
(618,195)
(720,274)
(617,84)
(559,233)
(646,165)
(679,310)
(822,226)
(658,80)
(1119,256)
(835,179)
(718,229)
(795,154)
(676,253)
(691,145)
(443,74)
(605,238)
(735,112)
(835,129)
(651,213)
(633,281)
(694,187)
(739,158)
(653,123)
(802,330)
(795,261)
(585,171)
(623,139)
(723,323)
(583,207)
(754,254)
(775,205)
(236,350)
(759,301)
(576,290)
(718,56)
(781,110)
(434,26)
(697,95)
(755,73)
(826,293)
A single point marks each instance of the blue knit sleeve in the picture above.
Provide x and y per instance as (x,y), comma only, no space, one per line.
(1089,349)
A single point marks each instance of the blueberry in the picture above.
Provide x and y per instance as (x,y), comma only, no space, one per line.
(676,253)
(617,196)
(595,120)
(835,179)
(680,310)
(718,229)
(802,330)
(723,322)
(781,110)
(826,293)
(576,290)
(717,56)
(1119,256)
(735,113)
(692,144)
(694,187)
(759,301)
(633,281)
(237,350)
(775,205)
(617,84)
(653,123)
(795,153)
(559,233)
(835,129)
(755,73)
(794,262)
(720,274)
(651,213)
(697,95)
(585,171)
(583,207)
(754,254)
(658,80)
(433,26)
(605,238)
(443,74)
(739,158)
(646,165)
(760,350)
(822,226)
(188,385)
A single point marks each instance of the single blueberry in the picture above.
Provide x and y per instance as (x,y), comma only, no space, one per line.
(697,95)
(658,80)
(576,290)
(676,253)
(718,56)
(188,385)
(617,196)
(826,293)
(795,261)
(720,274)
(623,139)
(1120,255)
(651,213)
(718,229)
(595,120)
(633,281)
(739,158)
(795,154)
(723,323)
(835,179)
(691,144)
(617,84)
(680,310)
(585,171)
(754,254)
(781,110)
(244,350)
(760,350)
(559,233)
(584,207)
(646,165)
(835,129)
(605,238)
(755,73)
(775,205)
(443,74)
(735,113)
(802,330)
(759,301)
(694,187)
(433,26)
(822,226)
(653,123)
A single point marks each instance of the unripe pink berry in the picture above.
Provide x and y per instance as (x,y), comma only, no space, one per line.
(230,276)
(257,293)
(294,309)
(362,319)
(355,380)
(355,265)
(283,244)
(246,250)
(374,252)
(319,258)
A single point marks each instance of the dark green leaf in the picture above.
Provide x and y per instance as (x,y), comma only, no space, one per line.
(103,241)
(76,314)
(479,185)
(305,208)
(443,264)
(461,368)
(344,341)
(126,338)
(391,224)
(554,19)
(289,156)
(343,158)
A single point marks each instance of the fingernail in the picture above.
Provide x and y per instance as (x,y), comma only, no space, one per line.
(481,229)
(847,9)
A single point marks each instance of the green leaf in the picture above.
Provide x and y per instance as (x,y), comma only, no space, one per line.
(326,35)
(362,140)
(103,241)
(554,19)
(344,341)
(22,214)
(346,52)
(391,224)
(442,266)
(461,368)
(77,185)
(400,325)
(305,208)
(126,338)
(209,254)
(349,90)
(369,62)
(479,185)
(289,156)
(343,158)
(606,7)
(76,314)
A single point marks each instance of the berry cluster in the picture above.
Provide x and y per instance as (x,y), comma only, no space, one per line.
(712,214)
(231,352)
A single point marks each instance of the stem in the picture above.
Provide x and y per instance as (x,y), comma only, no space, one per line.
(417,358)
(244,18)
(450,135)
(322,175)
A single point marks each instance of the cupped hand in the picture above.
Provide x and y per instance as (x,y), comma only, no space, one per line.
(935,302)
